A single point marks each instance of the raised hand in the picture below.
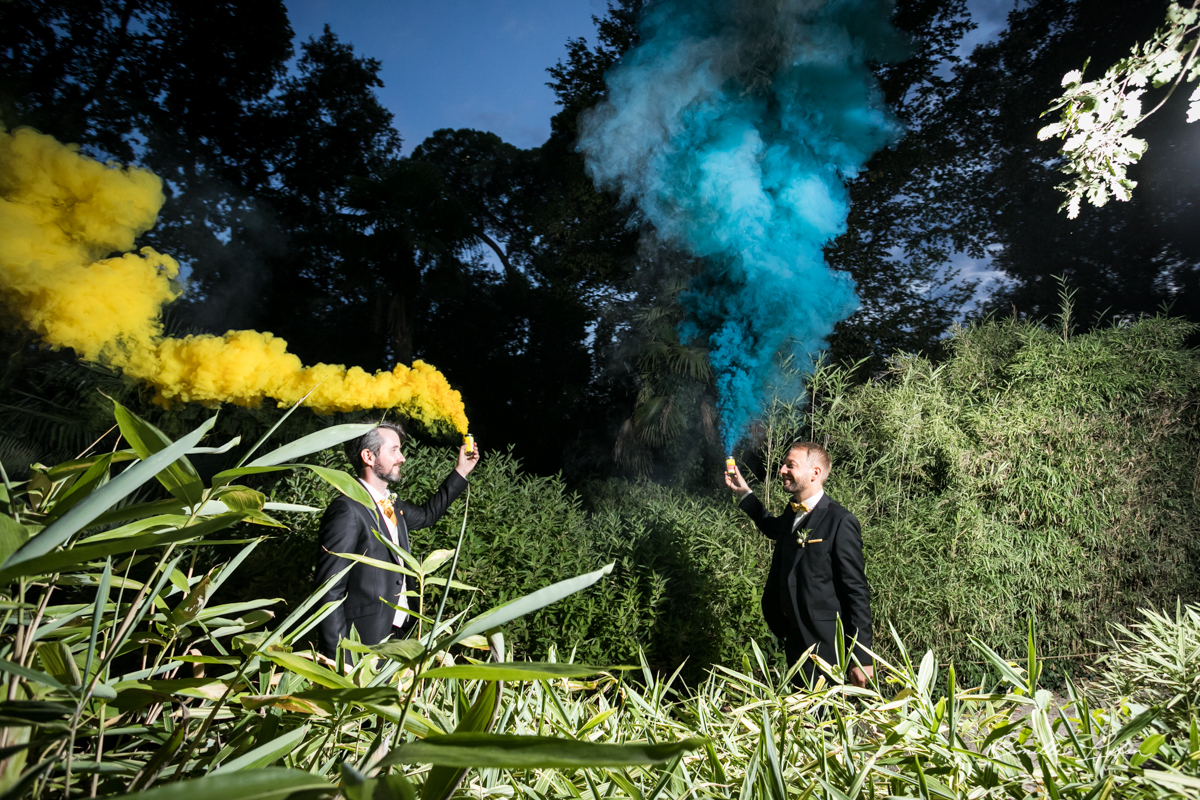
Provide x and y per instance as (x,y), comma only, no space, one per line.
(467,461)
(735,481)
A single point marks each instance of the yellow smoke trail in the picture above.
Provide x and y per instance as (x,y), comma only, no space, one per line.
(61,213)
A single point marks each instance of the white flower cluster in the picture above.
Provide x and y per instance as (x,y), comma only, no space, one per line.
(1097,116)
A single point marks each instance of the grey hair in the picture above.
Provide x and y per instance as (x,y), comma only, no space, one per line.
(371,440)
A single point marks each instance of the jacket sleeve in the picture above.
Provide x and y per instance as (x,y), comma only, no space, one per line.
(770,525)
(339,533)
(852,586)
(431,511)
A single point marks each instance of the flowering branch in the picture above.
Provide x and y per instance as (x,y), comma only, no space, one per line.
(1097,116)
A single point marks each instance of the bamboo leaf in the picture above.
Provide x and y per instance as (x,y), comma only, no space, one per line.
(265,754)
(12,535)
(308,669)
(57,562)
(356,786)
(517,671)
(312,443)
(256,784)
(443,780)
(532,752)
(104,498)
(521,606)
(179,476)
(346,484)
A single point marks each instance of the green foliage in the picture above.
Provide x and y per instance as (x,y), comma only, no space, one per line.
(683,590)
(918,733)
(1034,475)
(1156,662)
(123,676)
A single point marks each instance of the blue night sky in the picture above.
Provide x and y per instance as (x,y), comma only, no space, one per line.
(459,63)
(482,63)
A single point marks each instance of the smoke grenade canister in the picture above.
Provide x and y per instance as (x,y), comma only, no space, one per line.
(730,466)
(469,441)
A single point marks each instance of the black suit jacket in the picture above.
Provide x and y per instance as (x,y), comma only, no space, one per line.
(809,587)
(349,527)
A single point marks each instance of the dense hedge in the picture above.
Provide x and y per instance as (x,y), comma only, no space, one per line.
(1034,475)
(684,589)
(1031,475)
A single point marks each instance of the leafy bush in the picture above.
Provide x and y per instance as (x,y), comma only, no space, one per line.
(1156,662)
(1034,475)
(122,673)
(683,589)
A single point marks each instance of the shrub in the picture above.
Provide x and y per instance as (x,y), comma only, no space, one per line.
(683,589)
(1156,662)
(1034,475)
(121,672)
(1031,476)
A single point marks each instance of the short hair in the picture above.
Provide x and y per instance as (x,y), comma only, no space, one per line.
(371,440)
(813,450)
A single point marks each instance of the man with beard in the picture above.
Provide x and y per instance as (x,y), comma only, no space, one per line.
(349,527)
(817,570)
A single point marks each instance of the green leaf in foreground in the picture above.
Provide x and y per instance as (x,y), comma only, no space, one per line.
(514,609)
(532,752)
(517,671)
(257,784)
(313,442)
(103,499)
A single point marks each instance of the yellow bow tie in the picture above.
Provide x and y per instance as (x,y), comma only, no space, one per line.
(389,510)
(798,507)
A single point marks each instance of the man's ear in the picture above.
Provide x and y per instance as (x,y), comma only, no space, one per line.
(367,456)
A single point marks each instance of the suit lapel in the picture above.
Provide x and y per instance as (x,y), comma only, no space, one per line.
(818,514)
(379,523)
(811,524)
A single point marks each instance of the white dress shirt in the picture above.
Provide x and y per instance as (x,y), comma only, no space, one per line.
(394,535)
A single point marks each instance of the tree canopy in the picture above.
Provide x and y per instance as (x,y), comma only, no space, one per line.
(551,306)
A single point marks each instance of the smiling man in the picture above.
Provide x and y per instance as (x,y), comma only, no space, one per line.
(349,527)
(817,570)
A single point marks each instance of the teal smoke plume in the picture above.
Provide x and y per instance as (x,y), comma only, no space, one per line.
(733,127)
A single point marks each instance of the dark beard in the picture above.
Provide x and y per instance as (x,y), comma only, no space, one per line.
(383,476)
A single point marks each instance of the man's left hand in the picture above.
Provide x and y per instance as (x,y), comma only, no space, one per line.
(860,675)
(467,461)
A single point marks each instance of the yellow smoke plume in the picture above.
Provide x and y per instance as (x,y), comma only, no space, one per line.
(63,215)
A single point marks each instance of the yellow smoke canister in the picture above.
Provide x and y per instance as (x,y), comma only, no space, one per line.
(469,442)
(730,466)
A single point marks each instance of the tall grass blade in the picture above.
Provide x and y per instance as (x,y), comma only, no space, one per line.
(271,783)
(514,609)
(532,752)
(102,499)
